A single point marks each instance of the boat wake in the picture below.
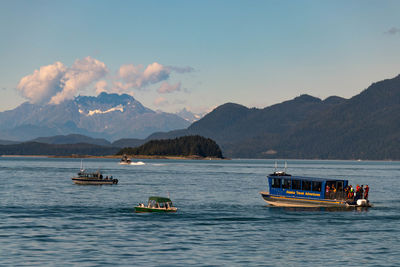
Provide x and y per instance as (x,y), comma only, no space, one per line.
(138,163)
(133,163)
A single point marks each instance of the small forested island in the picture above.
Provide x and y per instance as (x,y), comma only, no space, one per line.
(194,146)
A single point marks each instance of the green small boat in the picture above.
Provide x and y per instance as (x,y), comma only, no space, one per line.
(156,204)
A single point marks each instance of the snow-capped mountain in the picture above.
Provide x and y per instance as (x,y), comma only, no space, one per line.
(109,116)
(189,116)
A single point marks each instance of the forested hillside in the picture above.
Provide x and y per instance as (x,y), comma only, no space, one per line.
(366,126)
(183,146)
(34,148)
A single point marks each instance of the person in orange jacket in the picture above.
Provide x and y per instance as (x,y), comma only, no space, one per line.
(366,190)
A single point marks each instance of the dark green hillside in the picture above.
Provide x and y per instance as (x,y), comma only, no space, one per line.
(367,126)
(244,132)
(34,148)
(72,139)
(183,146)
(8,142)
(128,142)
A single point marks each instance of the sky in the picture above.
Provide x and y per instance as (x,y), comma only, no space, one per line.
(195,54)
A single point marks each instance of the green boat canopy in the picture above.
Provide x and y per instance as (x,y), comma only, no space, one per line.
(160,199)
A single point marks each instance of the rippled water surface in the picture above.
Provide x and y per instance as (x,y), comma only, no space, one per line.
(47,220)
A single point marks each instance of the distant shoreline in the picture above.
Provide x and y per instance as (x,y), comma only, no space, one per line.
(116,157)
(180,158)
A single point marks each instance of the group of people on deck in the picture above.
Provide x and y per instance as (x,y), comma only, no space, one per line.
(330,191)
(361,192)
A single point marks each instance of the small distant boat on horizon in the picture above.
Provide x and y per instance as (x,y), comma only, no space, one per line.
(156,204)
(125,160)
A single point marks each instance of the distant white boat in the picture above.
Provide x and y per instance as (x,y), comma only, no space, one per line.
(125,160)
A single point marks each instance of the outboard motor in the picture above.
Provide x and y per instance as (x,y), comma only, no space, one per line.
(362,202)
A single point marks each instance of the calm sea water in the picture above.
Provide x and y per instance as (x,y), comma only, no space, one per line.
(47,220)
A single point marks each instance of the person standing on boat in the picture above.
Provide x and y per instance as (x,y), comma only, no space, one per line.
(351,192)
(366,190)
(346,192)
(362,191)
(333,191)
(358,191)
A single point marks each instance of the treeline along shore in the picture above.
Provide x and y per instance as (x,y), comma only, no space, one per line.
(188,147)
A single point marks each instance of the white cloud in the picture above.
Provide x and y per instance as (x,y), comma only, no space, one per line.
(131,74)
(56,83)
(139,77)
(393,31)
(160,101)
(121,88)
(44,83)
(166,88)
(155,73)
(82,73)
(101,86)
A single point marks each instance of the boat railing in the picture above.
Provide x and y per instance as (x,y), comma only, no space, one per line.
(335,195)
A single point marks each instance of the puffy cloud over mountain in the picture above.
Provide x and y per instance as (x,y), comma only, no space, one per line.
(160,101)
(56,82)
(43,84)
(139,77)
(82,73)
(169,88)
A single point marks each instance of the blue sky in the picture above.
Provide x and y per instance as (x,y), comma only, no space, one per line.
(256,53)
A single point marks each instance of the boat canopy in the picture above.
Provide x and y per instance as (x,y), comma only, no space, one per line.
(288,176)
(160,199)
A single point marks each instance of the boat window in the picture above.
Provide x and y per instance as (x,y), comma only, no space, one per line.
(286,183)
(276,183)
(316,186)
(296,184)
(339,186)
(306,186)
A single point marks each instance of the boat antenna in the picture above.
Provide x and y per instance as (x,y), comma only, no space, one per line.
(276,165)
(82,166)
(285,166)
(168,195)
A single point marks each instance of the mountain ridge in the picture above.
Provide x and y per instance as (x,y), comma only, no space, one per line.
(109,116)
(366,126)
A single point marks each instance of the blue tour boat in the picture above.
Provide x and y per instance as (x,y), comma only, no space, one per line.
(286,190)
